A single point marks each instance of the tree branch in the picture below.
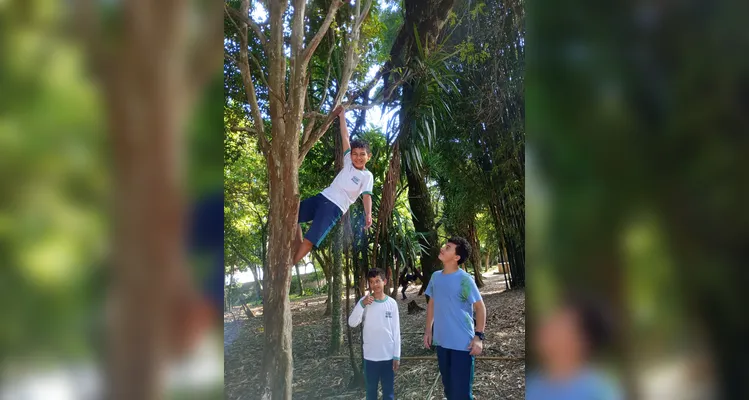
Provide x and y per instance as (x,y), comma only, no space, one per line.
(297,64)
(368,86)
(249,87)
(240,254)
(327,75)
(264,79)
(236,128)
(308,128)
(363,15)
(314,114)
(244,18)
(315,136)
(312,46)
(350,63)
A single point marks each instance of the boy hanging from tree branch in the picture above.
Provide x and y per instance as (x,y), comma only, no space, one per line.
(327,207)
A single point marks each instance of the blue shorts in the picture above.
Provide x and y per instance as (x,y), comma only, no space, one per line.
(323,213)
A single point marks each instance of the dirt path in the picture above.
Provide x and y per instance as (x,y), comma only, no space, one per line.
(232,329)
(319,377)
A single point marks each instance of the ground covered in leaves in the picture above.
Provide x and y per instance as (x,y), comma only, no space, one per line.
(317,376)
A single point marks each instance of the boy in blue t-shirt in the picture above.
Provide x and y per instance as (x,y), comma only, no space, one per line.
(567,342)
(454,300)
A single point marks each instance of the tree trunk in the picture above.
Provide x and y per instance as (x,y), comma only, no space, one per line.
(145,119)
(358,378)
(395,283)
(364,267)
(420,201)
(317,278)
(423,220)
(387,203)
(283,177)
(335,304)
(284,199)
(475,256)
(258,288)
(336,328)
(299,279)
(318,254)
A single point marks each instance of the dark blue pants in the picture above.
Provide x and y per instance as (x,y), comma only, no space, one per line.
(456,368)
(376,372)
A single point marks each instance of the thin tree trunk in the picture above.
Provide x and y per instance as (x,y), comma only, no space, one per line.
(396,275)
(317,278)
(328,279)
(475,257)
(420,201)
(258,288)
(299,279)
(228,293)
(335,305)
(358,378)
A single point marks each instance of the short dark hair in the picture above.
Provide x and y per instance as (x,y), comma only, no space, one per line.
(375,272)
(594,318)
(462,248)
(360,144)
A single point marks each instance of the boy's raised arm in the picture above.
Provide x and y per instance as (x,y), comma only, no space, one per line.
(345,145)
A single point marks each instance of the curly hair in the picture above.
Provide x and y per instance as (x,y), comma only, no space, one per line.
(462,248)
(360,144)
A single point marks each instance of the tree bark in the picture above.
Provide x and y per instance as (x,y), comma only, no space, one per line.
(336,339)
(423,220)
(395,283)
(146,102)
(358,378)
(475,256)
(299,279)
(318,254)
(258,288)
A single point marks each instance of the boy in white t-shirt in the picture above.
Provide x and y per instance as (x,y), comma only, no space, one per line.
(326,208)
(382,336)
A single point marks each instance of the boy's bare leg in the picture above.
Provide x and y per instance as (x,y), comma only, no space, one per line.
(302,251)
(298,239)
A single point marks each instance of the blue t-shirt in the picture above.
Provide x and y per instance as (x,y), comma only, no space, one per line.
(453,296)
(587,385)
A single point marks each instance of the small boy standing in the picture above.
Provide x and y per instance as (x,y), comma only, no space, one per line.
(454,298)
(382,336)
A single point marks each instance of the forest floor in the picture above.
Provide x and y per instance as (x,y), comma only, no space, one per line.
(316,376)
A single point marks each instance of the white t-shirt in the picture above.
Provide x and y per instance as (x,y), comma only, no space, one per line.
(382,329)
(349,184)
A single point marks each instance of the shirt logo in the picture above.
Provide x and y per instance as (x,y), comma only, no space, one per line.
(356,179)
(388,314)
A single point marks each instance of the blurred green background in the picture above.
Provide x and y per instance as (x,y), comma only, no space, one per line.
(638,181)
(56,190)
